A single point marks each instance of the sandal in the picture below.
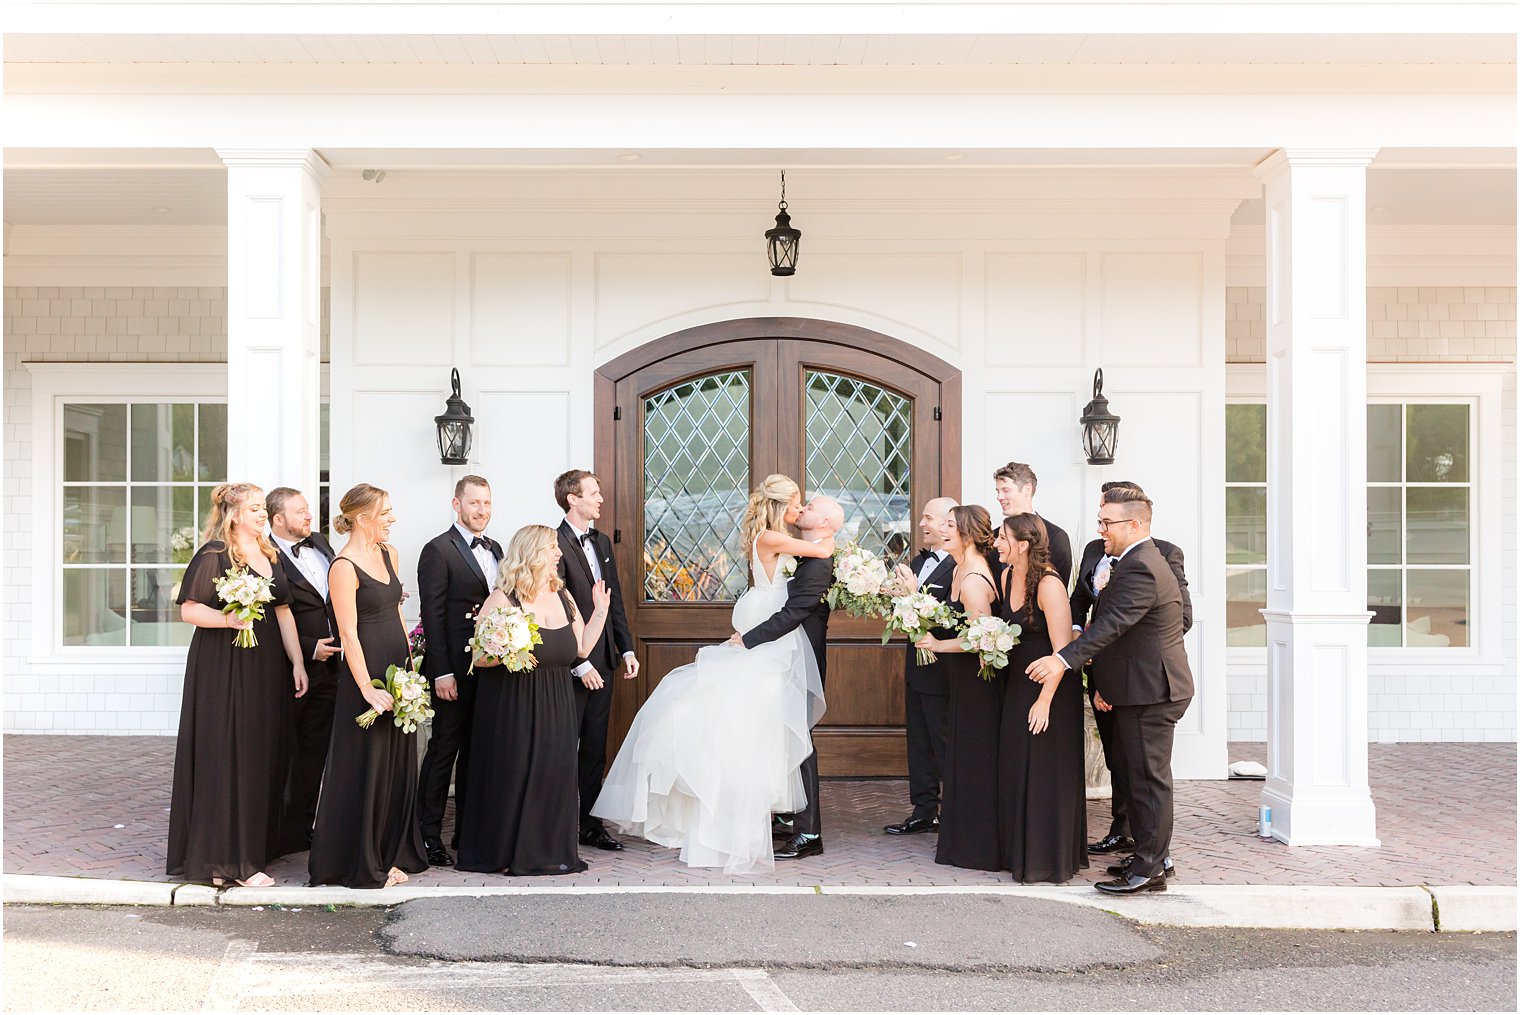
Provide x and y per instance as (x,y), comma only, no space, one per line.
(396,876)
(259,880)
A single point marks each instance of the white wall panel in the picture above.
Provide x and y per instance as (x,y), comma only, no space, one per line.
(520,309)
(1037,428)
(1152,306)
(396,448)
(636,290)
(403,307)
(523,446)
(921,291)
(1036,309)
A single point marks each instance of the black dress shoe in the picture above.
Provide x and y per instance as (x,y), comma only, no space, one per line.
(912,826)
(800,845)
(437,854)
(1111,844)
(599,838)
(1122,868)
(1132,884)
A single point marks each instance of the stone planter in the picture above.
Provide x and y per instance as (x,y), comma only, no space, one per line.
(1098,785)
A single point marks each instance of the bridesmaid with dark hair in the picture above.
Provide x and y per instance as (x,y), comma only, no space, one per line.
(968,826)
(1042,823)
(367,834)
(232,754)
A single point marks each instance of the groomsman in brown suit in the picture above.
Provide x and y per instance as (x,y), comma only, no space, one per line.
(1141,671)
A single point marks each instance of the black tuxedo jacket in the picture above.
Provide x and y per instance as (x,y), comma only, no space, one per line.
(1060,549)
(312,613)
(1135,637)
(929,679)
(451,588)
(1083,596)
(804,608)
(575,572)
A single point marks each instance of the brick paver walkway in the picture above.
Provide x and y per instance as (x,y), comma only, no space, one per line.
(98,807)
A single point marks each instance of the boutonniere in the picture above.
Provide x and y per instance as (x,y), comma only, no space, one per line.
(789,567)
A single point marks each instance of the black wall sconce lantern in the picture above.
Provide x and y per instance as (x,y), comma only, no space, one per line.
(1100,428)
(781,242)
(454,428)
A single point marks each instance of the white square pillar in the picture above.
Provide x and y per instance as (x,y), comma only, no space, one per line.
(274,327)
(1317,497)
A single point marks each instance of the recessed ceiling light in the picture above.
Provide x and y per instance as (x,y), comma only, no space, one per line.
(162,211)
(953,156)
(630,156)
(1380,208)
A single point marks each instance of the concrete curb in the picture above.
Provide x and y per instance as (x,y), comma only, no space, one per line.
(1460,909)
(1467,908)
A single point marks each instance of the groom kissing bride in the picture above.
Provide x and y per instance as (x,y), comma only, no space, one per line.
(724,743)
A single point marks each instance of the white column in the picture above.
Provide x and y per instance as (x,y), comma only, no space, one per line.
(1317,498)
(274,327)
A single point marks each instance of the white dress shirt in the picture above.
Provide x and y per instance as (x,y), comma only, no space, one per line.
(310,560)
(589,552)
(934,560)
(484,558)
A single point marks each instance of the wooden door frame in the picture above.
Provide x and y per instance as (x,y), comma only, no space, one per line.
(865,749)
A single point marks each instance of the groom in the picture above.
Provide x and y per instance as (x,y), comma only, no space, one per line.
(820,518)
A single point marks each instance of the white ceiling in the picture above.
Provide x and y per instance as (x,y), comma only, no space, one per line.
(774,50)
(188,186)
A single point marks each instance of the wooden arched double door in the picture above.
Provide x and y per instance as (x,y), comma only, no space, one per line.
(688,425)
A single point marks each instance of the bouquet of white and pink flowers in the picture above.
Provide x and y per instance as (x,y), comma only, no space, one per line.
(990,638)
(863,584)
(506,635)
(915,615)
(245,592)
(411,705)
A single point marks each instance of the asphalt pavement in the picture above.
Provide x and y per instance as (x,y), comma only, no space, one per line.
(627,953)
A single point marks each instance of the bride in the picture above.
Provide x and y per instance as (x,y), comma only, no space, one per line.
(715,750)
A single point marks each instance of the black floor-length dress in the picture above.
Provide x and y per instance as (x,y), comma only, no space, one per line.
(522,811)
(968,821)
(367,812)
(1042,824)
(232,754)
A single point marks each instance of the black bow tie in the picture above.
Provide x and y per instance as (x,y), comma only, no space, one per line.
(480,541)
(301,544)
(588,538)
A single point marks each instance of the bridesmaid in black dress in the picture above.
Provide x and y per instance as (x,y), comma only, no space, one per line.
(231,758)
(366,834)
(522,814)
(968,809)
(1042,820)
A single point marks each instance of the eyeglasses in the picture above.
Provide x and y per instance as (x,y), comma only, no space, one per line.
(1105,523)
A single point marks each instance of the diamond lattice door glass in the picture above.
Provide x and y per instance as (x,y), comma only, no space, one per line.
(860,450)
(696,483)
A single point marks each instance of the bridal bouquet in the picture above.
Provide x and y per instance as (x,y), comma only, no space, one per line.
(245,593)
(990,638)
(411,705)
(506,635)
(915,615)
(863,585)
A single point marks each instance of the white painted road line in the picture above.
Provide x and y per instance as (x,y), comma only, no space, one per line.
(226,986)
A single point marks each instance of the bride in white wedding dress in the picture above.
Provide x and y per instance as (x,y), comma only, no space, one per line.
(715,750)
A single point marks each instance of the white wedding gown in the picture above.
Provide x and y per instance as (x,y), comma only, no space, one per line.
(715,750)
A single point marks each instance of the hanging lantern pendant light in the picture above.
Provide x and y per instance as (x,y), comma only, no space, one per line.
(781,242)
(1100,428)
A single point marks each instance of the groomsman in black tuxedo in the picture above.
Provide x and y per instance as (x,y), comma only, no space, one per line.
(926,698)
(456,570)
(304,555)
(1016,484)
(585,559)
(1092,577)
(1141,672)
(805,607)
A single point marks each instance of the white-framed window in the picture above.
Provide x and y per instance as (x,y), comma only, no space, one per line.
(124,456)
(136,482)
(1433,504)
